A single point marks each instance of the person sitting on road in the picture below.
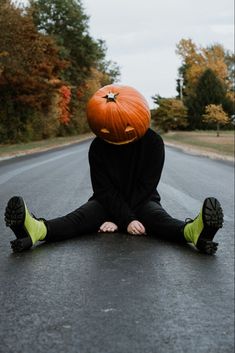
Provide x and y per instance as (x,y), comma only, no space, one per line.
(126,160)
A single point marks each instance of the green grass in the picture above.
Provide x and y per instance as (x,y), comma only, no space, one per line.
(204,140)
(13,149)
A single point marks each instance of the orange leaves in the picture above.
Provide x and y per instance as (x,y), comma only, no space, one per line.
(63,104)
(28,59)
(45,49)
(198,59)
(82,90)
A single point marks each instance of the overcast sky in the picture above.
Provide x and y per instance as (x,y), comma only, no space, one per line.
(141,36)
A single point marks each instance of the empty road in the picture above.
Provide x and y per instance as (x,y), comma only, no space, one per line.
(115,293)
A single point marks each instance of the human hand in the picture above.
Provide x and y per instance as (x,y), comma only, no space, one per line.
(108,227)
(136,227)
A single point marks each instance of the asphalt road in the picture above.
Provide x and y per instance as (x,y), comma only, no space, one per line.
(115,293)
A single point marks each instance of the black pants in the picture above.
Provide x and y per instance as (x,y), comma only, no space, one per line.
(89,217)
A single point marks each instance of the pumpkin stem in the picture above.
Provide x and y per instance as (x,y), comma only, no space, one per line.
(111,97)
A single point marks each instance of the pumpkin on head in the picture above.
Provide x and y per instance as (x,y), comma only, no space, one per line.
(118,114)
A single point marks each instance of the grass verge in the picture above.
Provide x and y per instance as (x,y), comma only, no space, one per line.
(36,146)
(206,141)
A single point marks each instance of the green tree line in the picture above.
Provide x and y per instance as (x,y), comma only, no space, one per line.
(49,67)
(205,90)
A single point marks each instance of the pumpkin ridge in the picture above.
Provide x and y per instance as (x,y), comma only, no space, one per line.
(111,117)
(138,114)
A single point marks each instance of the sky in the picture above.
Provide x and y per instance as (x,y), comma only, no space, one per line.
(141,36)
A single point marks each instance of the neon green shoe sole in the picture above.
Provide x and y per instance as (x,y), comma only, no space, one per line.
(15,214)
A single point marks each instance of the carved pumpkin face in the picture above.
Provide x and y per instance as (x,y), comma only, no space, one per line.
(118,114)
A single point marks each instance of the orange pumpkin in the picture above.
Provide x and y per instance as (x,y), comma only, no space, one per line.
(118,114)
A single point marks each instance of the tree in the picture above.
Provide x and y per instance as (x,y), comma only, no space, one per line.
(230,62)
(171,114)
(63,104)
(67,23)
(28,62)
(195,60)
(215,114)
(209,90)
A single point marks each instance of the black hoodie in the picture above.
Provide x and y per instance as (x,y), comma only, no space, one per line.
(124,177)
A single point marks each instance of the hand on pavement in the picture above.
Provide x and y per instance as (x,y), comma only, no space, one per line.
(136,228)
(108,227)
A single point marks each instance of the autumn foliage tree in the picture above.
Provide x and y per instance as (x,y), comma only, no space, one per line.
(195,60)
(215,114)
(28,62)
(209,90)
(199,64)
(171,114)
(49,68)
(66,22)
(63,104)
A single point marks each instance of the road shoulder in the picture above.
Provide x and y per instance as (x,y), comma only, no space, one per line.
(199,152)
(179,146)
